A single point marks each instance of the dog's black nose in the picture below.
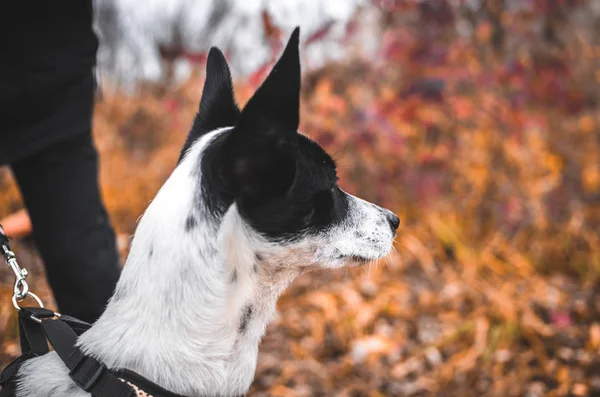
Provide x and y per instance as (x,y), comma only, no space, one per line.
(393,220)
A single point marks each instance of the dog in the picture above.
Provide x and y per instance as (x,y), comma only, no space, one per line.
(251,205)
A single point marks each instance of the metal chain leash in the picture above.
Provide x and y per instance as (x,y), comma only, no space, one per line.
(21,288)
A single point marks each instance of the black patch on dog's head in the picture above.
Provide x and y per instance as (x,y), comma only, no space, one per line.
(262,143)
(283,183)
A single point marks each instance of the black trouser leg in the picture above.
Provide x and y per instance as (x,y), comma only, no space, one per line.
(70,225)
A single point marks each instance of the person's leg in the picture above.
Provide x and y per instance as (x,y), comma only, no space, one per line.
(70,225)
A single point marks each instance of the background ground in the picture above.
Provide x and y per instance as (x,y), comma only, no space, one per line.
(479,125)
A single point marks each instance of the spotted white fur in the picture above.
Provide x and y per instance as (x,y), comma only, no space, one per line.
(192,281)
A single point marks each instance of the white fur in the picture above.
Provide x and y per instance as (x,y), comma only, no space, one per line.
(176,312)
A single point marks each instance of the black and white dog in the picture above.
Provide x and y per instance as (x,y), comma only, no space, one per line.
(251,205)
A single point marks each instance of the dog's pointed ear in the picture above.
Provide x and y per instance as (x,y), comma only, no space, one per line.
(277,100)
(263,161)
(217,107)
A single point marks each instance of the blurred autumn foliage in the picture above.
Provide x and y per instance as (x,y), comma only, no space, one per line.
(479,124)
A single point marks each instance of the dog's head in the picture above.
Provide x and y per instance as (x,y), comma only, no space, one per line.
(280,183)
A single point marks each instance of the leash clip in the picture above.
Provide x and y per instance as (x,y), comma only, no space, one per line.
(21,289)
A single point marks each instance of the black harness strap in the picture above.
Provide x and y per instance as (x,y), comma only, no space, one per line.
(33,344)
(32,337)
(87,372)
(7,377)
(33,340)
(39,325)
(76,324)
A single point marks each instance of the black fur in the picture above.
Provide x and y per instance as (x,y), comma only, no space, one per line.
(190,223)
(217,107)
(246,316)
(262,143)
(276,104)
